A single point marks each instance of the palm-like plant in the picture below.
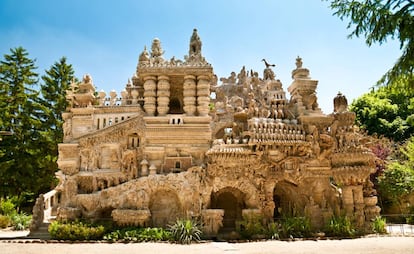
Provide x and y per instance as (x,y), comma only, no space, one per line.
(185,231)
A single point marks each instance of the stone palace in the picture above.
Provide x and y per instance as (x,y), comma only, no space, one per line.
(176,144)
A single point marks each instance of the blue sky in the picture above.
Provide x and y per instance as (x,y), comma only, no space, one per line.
(104,38)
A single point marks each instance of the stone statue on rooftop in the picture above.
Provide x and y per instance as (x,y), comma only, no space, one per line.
(195,44)
(299,62)
(156,51)
(268,73)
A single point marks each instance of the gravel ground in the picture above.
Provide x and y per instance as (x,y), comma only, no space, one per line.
(368,245)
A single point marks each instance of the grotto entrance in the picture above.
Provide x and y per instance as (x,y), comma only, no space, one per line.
(231,200)
(287,200)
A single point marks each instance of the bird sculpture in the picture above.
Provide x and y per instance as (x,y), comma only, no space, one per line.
(267,64)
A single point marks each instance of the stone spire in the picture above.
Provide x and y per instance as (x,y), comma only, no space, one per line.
(194,53)
(144,56)
(300,72)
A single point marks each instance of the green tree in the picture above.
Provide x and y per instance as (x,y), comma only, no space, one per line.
(55,83)
(387,111)
(24,161)
(398,179)
(379,20)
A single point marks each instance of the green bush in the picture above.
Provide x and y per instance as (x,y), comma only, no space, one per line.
(340,226)
(185,231)
(379,225)
(410,218)
(295,227)
(4,221)
(138,235)
(251,226)
(21,221)
(75,231)
(7,207)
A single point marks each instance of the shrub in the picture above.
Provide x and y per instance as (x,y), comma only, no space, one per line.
(7,207)
(21,221)
(154,234)
(75,231)
(379,225)
(138,235)
(185,231)
(340,226)
(4,221)
(295,227)
(251,226)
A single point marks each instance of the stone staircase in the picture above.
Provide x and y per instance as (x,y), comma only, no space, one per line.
(40,233)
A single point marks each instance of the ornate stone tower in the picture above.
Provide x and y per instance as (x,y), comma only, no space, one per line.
(175,96)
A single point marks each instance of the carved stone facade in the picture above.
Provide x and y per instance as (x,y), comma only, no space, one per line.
(176,144)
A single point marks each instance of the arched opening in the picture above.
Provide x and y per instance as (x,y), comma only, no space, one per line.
(231,200)
(175,106)
(288,201)
(165,208)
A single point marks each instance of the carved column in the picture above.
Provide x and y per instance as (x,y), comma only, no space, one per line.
(359,205)
(149,95)
(203,95)
(348,200)
(163,95)
(189,93)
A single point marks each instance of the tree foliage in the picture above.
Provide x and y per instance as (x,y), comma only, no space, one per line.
(387,111)
(28,156)
(55,83)
(398,179)
(379,20)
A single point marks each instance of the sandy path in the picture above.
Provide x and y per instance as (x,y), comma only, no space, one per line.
(377,245)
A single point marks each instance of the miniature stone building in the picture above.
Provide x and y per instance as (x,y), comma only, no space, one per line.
(175,144)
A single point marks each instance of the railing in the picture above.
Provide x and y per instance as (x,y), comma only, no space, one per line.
(400,229)
(51,201)
(397,224)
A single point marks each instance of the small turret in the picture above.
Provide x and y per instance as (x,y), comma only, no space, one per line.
(340,103)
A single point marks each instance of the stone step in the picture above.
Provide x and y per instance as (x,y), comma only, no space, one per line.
(41,232)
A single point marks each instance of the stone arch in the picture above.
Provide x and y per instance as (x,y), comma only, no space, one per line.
(232,201)
(165,207)
(287,199)
(252,194)
(218,130)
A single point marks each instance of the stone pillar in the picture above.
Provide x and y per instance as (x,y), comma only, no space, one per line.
(371,210)
(149,95)
(359,205)
(348,200)
(134,95)
(163,95)
(189,93)
(203,95)
(144,167)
